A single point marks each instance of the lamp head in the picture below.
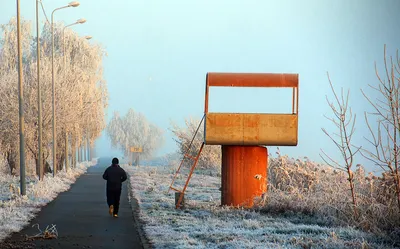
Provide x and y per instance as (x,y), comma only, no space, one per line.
(73,4)
(81,21)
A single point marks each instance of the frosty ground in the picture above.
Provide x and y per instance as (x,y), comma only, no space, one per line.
(17,211)
(205,224)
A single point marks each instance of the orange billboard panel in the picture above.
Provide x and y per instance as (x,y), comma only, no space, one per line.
(251,129)
(253,79)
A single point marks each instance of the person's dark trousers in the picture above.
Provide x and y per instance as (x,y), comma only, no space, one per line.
(113,197)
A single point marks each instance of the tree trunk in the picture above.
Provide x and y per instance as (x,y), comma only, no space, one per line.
(40,173)
(11,156)
(60,161)
(43,167)
(47,168)
(37,165)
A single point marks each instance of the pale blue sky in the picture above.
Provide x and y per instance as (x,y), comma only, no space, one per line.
(175,43)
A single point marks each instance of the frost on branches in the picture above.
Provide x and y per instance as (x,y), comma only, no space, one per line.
(81,92)
(134,130)
(210,157)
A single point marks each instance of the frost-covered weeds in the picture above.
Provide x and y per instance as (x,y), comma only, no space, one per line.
(16,211)
(301,186)
(204,224)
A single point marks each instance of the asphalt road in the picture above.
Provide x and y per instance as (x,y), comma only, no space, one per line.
(82,219)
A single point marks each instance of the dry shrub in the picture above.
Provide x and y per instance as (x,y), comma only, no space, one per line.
(4,169)
(210,157)
(302,186)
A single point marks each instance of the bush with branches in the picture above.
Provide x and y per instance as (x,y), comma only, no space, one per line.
(210,157)
(345,121)
(386,138)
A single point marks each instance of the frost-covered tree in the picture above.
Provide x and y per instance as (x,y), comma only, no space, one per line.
(81,93)
(211,154)
(134,130)
(9,121)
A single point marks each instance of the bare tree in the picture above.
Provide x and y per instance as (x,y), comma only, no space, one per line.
(345,121)
(385,140)
(210,156)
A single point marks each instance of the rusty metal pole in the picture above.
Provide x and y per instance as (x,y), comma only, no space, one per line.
(244,174)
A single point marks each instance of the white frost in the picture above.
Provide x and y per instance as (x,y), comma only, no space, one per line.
(16,211)
(205,224)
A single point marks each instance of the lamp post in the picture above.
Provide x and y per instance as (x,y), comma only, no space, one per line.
(80,21)
(71,4)
(21,107)
(39,94)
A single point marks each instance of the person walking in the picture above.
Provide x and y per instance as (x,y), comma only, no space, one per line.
(115,176)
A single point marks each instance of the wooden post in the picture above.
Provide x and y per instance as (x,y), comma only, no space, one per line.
(182,204)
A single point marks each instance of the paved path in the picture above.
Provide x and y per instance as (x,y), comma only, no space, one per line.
(81,218)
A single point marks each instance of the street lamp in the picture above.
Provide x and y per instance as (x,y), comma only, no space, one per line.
(21,106)
(79,21)
(71,4)
(39,94)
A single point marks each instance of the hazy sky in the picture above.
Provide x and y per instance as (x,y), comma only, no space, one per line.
(160,51)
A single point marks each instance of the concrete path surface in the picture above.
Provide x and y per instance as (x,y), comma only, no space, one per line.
(81,218)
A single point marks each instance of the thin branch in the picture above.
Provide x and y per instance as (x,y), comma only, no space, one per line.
(332,160)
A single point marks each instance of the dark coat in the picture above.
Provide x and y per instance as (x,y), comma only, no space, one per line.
(115,176)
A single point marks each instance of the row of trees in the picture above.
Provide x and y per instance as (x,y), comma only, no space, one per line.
(134,130)
(81,93)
